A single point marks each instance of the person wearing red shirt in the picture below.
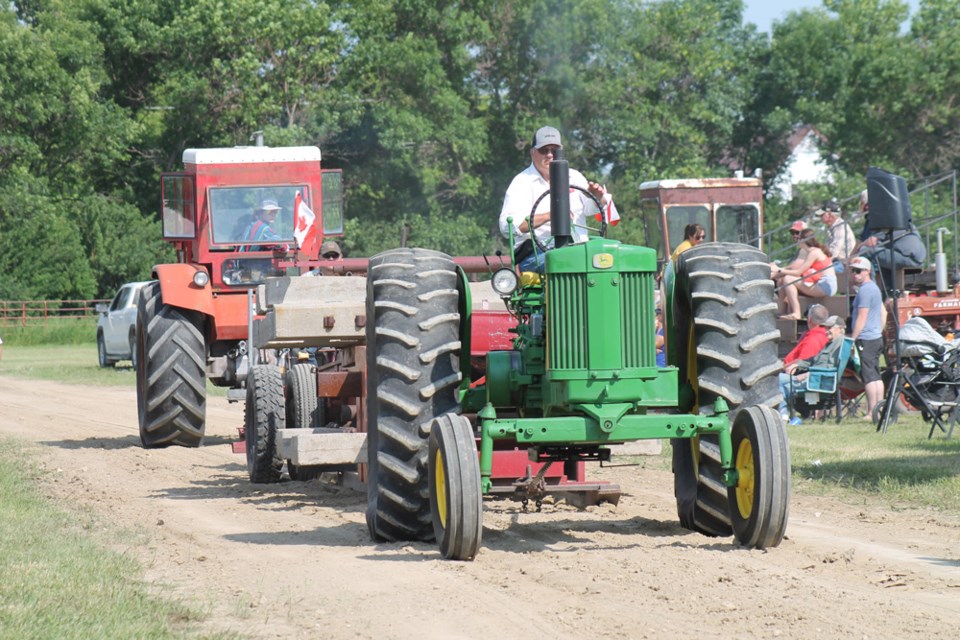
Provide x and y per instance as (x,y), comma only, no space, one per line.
(814,340)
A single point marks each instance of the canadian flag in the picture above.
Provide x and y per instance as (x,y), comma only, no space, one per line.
(304,229)
(609,210)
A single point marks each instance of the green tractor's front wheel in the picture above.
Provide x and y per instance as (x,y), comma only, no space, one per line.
(760,501)
(456,500)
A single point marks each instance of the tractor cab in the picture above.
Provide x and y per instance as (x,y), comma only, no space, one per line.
(211,210)
(729,209)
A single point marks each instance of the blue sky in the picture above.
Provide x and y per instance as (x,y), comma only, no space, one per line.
(763,12)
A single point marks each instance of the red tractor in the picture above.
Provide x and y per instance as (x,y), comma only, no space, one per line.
(192,321)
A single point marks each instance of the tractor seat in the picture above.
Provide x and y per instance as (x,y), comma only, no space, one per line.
(530,278)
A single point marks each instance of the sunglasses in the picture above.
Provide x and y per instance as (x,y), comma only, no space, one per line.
(794,233)
(854,270)
(548,150)
(700,236)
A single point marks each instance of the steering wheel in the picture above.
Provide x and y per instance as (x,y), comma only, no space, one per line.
(603,218)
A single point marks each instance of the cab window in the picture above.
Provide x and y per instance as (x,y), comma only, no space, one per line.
(739,223)
(179,217)
(679,216)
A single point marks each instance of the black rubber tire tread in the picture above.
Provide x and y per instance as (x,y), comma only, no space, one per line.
(304,411)
(724,295)
(769,482)
(413,376)
(453,448)
(702,501)
(102,358)
(264,416)
(171,376)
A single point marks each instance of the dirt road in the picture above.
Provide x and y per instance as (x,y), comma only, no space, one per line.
(294,560)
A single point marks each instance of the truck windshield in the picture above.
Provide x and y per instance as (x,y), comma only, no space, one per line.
(235,215)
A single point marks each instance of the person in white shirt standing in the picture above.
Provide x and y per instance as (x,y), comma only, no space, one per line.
(529,185)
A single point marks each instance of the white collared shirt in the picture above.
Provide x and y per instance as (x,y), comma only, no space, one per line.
(526,187)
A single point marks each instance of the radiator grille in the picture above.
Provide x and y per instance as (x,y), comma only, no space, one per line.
(636,313)
(568,329)
(567,321)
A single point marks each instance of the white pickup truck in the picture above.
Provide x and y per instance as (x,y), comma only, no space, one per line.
(117,326)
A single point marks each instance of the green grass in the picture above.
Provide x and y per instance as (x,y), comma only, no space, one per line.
(902,467)
(72,331)
(75,364)
(60,581)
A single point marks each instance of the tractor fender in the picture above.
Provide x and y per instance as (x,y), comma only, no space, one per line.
(178,289)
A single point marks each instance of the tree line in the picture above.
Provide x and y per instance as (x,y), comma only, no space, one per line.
(428,107)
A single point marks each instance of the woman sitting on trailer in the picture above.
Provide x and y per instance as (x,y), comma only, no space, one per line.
(814,277)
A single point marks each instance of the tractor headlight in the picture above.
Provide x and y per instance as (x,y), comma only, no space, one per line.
(504,281)
(201,278)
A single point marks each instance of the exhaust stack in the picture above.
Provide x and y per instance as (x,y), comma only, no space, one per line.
(560,200)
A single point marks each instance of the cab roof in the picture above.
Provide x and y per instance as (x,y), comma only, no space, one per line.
(247,155)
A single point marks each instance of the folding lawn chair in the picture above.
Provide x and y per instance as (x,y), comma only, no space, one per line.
(823,389)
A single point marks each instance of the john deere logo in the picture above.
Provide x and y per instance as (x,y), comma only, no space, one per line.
(603,261)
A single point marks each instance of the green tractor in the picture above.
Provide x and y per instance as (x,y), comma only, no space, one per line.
(581,376)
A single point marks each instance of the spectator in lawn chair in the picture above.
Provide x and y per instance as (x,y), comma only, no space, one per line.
(795,374)
(815,338)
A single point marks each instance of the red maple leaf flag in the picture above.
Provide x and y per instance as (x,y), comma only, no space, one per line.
(304,229)
(609,210)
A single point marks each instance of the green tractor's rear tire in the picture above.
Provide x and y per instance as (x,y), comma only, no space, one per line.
(171,372)
(264,416)
(725,317)
(413,376)
(456,499)
(304,409)
(702,502)
(760,501)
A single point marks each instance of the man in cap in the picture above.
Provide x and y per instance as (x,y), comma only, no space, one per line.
(260,228)
(840,237)
(793,380)
(529,185)
(330,250)
(868,329)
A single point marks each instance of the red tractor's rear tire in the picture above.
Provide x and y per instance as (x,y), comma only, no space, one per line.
(171,373)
